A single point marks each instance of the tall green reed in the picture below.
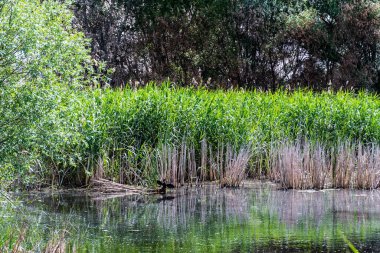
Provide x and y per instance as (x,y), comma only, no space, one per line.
(127,134)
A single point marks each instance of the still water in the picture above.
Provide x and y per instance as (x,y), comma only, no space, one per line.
(210,219)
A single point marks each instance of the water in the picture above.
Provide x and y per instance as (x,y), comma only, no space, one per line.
(210,219)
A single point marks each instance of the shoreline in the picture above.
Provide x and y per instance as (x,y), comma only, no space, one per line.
(99,192)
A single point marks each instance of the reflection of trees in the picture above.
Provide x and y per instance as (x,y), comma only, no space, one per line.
(194,205)
(210,218)
(179,210)
(316,206)
(191,205)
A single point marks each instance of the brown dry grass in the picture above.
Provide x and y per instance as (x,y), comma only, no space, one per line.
(236,164)
(305,166)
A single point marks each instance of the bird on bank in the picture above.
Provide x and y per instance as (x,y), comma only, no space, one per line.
(164,185)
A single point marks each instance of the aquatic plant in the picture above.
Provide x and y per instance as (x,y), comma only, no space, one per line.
(192,135)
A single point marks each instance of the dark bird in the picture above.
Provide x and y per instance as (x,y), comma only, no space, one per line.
(164,185)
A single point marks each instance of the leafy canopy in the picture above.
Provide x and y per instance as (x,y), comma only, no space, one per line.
(38,44)
(41,56)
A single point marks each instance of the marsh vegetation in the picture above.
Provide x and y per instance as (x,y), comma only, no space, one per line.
(185,93)
(299,139)
(61,125)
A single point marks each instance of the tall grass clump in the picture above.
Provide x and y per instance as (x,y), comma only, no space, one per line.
(300,138)
(299,166)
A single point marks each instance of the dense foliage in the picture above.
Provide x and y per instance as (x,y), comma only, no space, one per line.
(41,56)
(269,44)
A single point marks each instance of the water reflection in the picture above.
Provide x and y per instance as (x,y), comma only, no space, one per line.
(217,220)
(293,206)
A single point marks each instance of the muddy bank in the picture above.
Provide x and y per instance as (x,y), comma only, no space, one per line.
(104,189)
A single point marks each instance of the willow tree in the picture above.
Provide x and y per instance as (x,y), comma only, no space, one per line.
(40,54)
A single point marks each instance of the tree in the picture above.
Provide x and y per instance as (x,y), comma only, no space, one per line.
(39,50)
(341,39)
(249,43)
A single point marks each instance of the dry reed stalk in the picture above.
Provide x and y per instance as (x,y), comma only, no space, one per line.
(126,166)
(171,163)
(99,171)
(368,167)
(212,165)
(319,167)
(21,238)
(274,167)
(162,156)
(236,163)
(121,168)
(299,166)
(182,164)
(344,166)
(147,161)
(203,169)
(292,173)
(57,245)
(160,159)
(284,159)
(166,157)
(219,160)
(174,165)
(192,166)
(308,166)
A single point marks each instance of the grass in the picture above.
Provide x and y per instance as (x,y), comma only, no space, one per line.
(187,135)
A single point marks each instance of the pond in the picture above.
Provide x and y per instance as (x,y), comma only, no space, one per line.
(210,219)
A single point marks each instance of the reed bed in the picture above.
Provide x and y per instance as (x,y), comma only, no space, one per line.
(300,165)
(179,165)
(188,135)
(308,166)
